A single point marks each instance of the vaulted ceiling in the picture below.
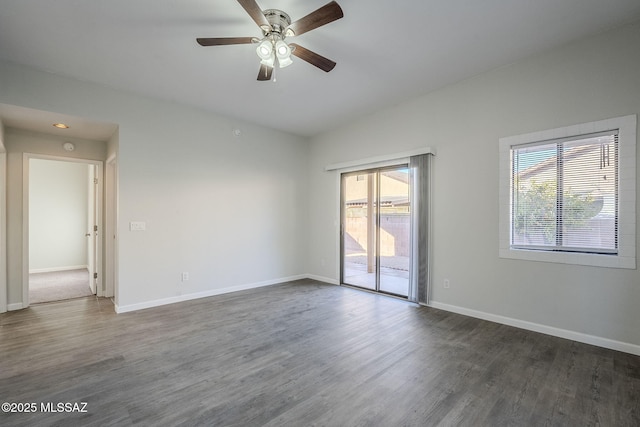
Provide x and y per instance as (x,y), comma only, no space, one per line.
(386,51)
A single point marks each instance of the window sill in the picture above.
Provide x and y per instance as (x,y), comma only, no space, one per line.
(594,260)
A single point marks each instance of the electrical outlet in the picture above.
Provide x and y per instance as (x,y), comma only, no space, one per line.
(446,283)
(185,276)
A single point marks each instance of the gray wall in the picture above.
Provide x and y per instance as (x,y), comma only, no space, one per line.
(182,171)
(589,80)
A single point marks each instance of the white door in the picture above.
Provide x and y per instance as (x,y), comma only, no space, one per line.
(92,228)
(110,231)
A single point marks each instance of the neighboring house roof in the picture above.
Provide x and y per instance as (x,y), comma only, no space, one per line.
(551,162)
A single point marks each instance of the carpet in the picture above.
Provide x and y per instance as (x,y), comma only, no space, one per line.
(58,285)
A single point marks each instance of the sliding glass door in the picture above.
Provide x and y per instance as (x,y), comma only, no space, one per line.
(376,230)
(359,229)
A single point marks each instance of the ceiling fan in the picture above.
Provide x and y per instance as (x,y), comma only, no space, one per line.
(276,26)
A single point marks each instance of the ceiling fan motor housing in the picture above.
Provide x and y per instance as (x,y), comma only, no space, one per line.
(279,22)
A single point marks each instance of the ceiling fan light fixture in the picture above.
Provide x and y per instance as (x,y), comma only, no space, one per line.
(269,61)
(283,52)
(284,62)
(265,50)
(282,49)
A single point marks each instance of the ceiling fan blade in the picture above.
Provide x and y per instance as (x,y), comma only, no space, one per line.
(265,73)
(312,58)
(255,12)
(327,13)
(221,41)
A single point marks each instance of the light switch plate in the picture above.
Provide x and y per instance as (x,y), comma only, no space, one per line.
(137,226)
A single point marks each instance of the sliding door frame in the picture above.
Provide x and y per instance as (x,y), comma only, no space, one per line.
(377,171)
(389,159)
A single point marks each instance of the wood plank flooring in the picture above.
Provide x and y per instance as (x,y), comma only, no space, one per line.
(303,354)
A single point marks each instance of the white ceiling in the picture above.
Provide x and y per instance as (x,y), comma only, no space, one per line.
(386,51)
(42,122)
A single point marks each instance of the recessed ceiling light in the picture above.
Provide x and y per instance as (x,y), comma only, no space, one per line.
(60,126)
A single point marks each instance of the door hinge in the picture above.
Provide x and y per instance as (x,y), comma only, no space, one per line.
(95,180)
(95,228)
(95,275)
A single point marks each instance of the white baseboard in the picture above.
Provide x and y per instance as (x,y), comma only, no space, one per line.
(15,306)
(52,269)
(204,294)
(544,329)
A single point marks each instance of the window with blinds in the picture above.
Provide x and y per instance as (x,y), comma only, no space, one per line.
(564,194)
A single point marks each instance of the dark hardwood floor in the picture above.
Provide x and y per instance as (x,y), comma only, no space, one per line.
(301,354)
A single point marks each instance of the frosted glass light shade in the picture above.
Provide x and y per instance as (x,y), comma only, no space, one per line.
(265,50)
(269,61)
(283,52)
(284,62)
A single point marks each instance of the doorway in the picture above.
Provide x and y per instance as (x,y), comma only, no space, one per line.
(63,204)
(376,230)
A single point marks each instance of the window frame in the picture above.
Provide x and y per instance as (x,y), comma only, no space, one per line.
(626,256)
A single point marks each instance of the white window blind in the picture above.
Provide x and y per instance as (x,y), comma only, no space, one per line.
(564,194)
